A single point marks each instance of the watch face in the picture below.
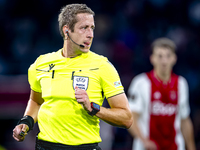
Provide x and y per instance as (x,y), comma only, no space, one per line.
(96,106)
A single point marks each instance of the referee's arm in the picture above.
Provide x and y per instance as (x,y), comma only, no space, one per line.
(33,106)
(119,113)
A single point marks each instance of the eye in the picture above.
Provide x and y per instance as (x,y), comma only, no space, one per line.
(169,55)
(83,27)
(160,56)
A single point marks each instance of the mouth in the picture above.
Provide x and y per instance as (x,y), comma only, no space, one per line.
(87,44)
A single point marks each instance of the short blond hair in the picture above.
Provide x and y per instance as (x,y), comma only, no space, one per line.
(164,43)
(68,14)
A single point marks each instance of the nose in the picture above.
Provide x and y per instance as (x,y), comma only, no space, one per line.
(165,60)
(90,33)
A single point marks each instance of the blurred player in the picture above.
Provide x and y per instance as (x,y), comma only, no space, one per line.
(159,104)
(68,88)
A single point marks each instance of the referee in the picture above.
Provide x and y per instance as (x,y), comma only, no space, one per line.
(68,88)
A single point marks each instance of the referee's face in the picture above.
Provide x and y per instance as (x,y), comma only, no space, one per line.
(83,32)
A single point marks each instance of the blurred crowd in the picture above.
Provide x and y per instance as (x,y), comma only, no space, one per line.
(124,32)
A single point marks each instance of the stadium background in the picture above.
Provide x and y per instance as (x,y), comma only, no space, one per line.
(124,31)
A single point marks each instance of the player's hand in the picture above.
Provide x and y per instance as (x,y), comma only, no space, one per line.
(83,99)
(19,132)
(149,145)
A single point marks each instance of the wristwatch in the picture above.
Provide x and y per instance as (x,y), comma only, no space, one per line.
(95,109)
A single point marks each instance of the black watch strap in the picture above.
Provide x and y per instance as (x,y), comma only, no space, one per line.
(95,109)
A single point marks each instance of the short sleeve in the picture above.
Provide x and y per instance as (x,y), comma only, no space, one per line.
(183,98)
(135,95)
(110,80)
(32,78)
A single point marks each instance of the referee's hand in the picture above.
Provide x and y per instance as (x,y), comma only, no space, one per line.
(83,99)
(19,132)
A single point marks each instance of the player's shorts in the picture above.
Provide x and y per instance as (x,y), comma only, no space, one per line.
(44,145)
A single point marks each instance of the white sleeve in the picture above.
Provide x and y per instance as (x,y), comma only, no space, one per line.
(183,98)
(134,95)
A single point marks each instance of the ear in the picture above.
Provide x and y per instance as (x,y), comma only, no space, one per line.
(65,28)
(175,59)
(151,59)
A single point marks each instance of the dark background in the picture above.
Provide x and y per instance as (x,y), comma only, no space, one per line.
(124,32)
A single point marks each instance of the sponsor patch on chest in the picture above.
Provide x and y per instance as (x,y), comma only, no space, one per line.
(80,82)
(159,108)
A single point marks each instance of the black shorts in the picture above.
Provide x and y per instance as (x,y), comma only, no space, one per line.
(44,145)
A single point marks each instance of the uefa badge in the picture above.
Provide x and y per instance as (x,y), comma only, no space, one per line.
(80,82)
(157,95)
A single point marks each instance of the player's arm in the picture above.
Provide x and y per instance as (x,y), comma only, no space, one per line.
(119,113)
(134,130)
(187,131)
(33,106)
(137,105)
(186,123)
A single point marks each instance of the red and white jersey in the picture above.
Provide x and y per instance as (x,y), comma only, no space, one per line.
(161,107)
